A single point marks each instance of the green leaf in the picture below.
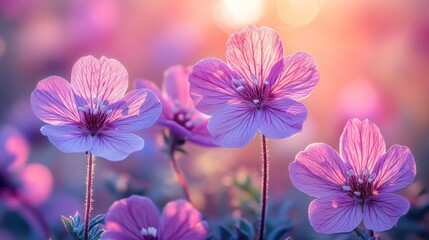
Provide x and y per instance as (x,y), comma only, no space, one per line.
(67,224)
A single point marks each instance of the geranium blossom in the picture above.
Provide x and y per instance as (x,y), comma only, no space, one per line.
(178,111)
(356,184)
(19,181)
(137,217)
(92,113)
(256,91)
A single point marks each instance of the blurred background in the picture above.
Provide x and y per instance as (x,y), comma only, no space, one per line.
(373,58)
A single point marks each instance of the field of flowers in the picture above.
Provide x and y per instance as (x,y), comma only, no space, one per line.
(214,119)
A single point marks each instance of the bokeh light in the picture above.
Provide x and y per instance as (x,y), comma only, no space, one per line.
(234,14)
(298,13)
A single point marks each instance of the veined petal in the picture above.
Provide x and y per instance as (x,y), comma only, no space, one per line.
(68,138)
(181,221)
(361,144)
(334,214)
(127,217)
(105,79)
(116,146)
(395,170)
(139,109)
(53,102)
(253,51)
(176,85)
(318,171)
(294,76)
(282,118)
(211,85)
(234,126)
(381,212)
(166,103)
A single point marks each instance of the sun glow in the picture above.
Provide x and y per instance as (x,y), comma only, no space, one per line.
(298,13)
(238,13)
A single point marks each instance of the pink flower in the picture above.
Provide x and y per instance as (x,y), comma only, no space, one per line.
(256,91)
(178,111)
(356,184)
(137,217)
(25,183)
(92,113)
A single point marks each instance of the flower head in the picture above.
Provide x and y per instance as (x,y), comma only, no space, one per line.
(92,113)
(257,91)
(31,183)
(137,217)
(178,111)
(356,184)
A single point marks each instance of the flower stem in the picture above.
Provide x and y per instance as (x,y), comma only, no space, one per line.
(175,166)
(264,187)
(88,198)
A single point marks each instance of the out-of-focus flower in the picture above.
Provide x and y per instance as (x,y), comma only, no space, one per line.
(257,91)
(137,217)
(355,184)
(178,111)
(92,114)
(25,183)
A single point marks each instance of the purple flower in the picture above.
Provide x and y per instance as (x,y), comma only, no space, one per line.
(28,183)
(356,184)
(92,113)
(257,91)
(178,111)
(137,217)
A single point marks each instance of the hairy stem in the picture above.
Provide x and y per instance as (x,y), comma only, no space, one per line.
(88,198)
(264,187)
(175,166)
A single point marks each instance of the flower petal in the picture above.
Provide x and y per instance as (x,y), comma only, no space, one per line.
(176,84)
(181,221)
(282,118)
(128,216)
(166,103)
(318,171)
(361,144)
(211,85)
(139,109)
(294,76)
(395,170)
(382,212)
(68,138)
(254,51)
(53,102)
(103,78)
(234,126)
(116,146)
(199,133)
(334,214)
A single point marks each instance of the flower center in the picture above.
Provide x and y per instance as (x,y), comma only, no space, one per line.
(94,117)
(254,93)
(360,184)
(183,116)
(149,233)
